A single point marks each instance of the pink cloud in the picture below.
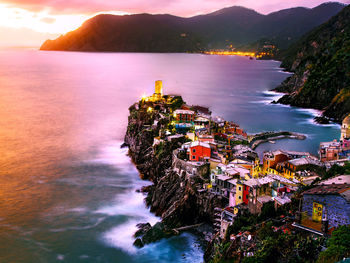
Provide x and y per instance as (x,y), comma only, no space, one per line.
(175,7)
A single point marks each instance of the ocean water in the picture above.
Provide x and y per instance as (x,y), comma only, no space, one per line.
(67,189)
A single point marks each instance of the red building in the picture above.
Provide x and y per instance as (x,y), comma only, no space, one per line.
(199,151)
(245,194)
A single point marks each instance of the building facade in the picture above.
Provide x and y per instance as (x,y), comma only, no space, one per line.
(345,128)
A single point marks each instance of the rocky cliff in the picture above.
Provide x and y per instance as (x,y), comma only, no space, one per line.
(320,62)
(175,198)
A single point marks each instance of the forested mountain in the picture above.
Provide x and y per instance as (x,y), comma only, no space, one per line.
(320,61)
(234,26)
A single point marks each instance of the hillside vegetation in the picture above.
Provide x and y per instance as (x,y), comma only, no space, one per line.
(321,63)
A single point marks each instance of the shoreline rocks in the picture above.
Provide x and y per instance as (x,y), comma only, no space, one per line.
(174,198)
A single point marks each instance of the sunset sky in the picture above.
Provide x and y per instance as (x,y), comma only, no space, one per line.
(30,22)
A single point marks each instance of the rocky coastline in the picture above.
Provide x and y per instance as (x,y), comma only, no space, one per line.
(174,198)
(180,200)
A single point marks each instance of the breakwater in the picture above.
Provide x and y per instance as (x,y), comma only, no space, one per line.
(259,138)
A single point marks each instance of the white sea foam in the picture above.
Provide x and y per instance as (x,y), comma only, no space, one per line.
(273,95)
(311,112)
(268,97)
(131,204)
(285,72)
(121,236)
(60,257)
(127,203)
(314,113)
(188,251)
(112,154)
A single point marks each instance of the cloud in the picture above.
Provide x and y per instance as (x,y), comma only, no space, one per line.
(88,6)
(48,20)
(176,7)
(23,37)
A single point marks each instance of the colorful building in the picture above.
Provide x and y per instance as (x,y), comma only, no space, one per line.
(201,122)
(329,151)
(326,203)
(345,144)
(184,116)
(345,128)
(290,168)
(271,159)
(199,151)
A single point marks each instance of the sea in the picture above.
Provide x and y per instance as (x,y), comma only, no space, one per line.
(67,188)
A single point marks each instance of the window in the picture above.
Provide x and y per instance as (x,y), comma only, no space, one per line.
(239,188)
(193,150)
(193,157)
(239,197)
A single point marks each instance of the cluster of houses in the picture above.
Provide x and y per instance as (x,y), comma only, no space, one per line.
(218,151)
(337,152)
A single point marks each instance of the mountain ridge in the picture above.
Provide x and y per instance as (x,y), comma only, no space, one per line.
(167,33)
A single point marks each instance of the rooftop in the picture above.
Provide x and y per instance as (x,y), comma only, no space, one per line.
(264,199)
(198,143)
(223,177)
(258,181)
(282,199)
(283,179)
(329,189)
(340,179)
(184,112)
(305,161)
(329,144)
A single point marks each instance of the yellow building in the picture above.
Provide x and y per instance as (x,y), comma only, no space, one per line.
(345,128)
(239,193)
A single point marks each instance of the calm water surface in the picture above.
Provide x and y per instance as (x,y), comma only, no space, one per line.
(67,190)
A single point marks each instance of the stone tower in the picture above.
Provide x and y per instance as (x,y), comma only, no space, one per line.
(159,88)
(158,93)
(345,128)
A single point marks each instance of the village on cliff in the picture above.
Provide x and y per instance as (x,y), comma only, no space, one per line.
(222,155)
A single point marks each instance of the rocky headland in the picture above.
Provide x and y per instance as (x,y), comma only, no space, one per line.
(176,199)
(321,66)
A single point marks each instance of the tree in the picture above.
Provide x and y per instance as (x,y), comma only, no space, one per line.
(338,246)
